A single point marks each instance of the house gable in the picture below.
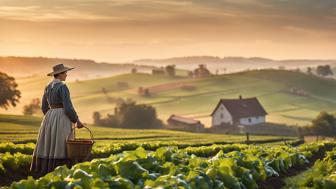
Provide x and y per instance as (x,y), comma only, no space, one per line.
(221,115)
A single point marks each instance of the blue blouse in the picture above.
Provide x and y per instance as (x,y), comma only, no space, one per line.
(58,93)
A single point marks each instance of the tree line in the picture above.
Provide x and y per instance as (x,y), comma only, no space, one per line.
(131,115)
(321,70)
(323,125)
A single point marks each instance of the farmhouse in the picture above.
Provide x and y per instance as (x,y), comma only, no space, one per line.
(241,111)
(183,123)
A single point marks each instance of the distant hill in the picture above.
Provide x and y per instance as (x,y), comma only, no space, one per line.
(89,69)
(234,64)
(204,59)
(85,69)
(289,97)
(216,59)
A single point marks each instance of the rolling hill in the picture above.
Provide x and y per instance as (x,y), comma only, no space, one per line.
(289,97)
(85,69)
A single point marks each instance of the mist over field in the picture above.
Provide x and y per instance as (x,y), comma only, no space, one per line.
(86,69)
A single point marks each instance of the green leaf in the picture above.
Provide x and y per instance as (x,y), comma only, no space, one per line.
(131,170)
(121,183)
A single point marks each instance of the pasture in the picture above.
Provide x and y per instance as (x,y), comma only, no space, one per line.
(273,88)
(25,129)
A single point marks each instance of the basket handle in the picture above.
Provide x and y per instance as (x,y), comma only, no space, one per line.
(74,128)
(90,133)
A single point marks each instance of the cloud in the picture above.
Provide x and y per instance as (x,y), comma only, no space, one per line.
(280,12)
(272,14)
(15,8)
(177,24)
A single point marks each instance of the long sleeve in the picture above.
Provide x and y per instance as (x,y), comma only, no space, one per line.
(45,105)
(67,104)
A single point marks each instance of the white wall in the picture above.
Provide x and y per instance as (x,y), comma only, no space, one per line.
(221,115)
(252,120)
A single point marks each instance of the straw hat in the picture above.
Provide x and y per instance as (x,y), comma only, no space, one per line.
(59,68)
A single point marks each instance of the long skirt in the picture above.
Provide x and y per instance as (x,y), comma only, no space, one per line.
(50,150)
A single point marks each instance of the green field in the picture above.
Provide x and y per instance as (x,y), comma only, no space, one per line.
(25,128)
(270,86)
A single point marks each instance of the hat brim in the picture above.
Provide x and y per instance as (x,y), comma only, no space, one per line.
(60,71)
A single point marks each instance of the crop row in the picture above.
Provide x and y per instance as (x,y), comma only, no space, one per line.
(14,162)
(104,150)
(321,175)
(169,167)
(12,148)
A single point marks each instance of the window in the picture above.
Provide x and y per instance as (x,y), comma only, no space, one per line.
(221,115)
(249,120)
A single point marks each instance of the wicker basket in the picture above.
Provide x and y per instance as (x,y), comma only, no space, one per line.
(79,149)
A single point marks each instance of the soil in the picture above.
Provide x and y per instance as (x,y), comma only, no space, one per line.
(12,176)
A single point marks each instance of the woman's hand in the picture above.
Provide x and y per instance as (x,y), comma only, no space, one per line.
(79,124)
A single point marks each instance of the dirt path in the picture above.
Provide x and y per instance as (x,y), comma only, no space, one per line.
(12,176)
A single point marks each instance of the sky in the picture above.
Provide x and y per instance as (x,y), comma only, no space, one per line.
(125,30)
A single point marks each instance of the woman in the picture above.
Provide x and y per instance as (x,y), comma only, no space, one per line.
(56,126)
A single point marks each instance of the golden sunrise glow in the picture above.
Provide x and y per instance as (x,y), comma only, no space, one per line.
(124,30)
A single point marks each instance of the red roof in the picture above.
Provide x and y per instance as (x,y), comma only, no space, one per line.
(183,119)
(242,107)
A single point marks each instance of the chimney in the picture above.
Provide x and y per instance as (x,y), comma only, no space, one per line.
(240,97)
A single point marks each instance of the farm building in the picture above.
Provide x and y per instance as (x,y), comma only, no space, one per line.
(241,111)
(183,123)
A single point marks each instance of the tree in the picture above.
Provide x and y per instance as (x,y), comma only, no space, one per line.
(96,118)
(104,90)
(190,74)
(309,71)
(202,71)
(132,115)
(111,121)
(324,124)
(32,108)
(134,70)
(147,93)
(170,70)
(9,94)
(324,70)
(140,90)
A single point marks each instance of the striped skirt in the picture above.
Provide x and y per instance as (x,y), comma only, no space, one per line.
(50,150)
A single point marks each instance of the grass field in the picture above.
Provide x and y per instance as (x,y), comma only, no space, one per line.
(22,128)
(270,86)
